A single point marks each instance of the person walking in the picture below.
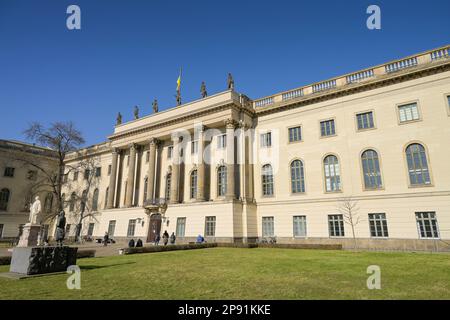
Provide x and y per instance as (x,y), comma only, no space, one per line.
(172,238)
(157,239)
(165,237)
(105,239)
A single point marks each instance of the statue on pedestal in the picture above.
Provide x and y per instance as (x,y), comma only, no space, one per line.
(60,228)
(203,90)
(119,119)
(136,112)
(35,209)
(155,106)
(230,82)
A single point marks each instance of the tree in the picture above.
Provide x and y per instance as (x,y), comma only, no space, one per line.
(350,212)
(62,138)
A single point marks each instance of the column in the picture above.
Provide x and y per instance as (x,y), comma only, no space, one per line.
(242,160)
(230,125)
(174,183)
(151,169)
(201,163)
(112,180)
(130,177)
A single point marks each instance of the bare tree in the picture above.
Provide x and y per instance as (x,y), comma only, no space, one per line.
(62,138)
(350,212)
(86,193)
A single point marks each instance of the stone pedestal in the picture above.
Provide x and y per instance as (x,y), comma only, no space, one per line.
(39,260)
(30,235)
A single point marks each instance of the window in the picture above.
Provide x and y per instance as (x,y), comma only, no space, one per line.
(408,112)
(65,178)
(68,226)
(168,181)
(336,225)
(48,203)
(98,172)
(268,227)
(448,103)
(4,199)
(416,159)
(371,170)
(75,176)
(9,172)
(297,177)
(128,160)
(131,228)
(147,156)
(32,175)
(84,198)
(87,173)
(193,184)
(221,181)
(145,188)
(90,229)
(295,134)
(222,141)
(267,180)
(181,227)
(106,197)
(327,128)
(332,174)
(73,198)
(111,228)
(300,226)
(210,226)
(378,225)
(1,230)
(169,152)
(365,120)
(266,140)
(427,224)
(95,200)
(109,169)
(194,147)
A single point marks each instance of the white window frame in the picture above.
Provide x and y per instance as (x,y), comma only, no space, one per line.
(301,219)
(268,223)
(222,141)
(265,139)
(378,220)
(339,219)
(299,134)
(415,116)
(178,232)
(421,219)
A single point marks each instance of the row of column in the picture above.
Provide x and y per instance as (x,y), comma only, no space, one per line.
(230,125)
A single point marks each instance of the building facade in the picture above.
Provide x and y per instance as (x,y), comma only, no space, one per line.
(363,156)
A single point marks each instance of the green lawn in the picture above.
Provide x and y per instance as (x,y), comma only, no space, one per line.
(227,273)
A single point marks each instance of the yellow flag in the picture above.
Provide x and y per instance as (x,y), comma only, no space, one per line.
(179,81)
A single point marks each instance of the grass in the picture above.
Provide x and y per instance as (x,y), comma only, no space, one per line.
(228,273)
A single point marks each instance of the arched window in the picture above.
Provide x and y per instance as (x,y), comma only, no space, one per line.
(4,199)
(371,169)
(83,201)
(73,199)
(95,200)
(417,165)
(48,203)
(221,181)
(106,197)
(297,177)
(332,174)
(145,188)
(267,180)
(193,186)
(168,181)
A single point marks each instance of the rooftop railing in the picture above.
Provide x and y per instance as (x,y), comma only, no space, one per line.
(389,68)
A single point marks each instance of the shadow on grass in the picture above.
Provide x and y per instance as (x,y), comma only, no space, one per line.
(93,267)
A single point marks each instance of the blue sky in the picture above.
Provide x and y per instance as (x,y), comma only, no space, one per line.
(129,52)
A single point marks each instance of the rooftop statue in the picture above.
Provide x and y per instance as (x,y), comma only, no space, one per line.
(230,82)
(155,106)
(203,91)
(136,112)
(118,119)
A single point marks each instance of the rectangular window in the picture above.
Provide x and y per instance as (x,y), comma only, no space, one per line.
(222,141)
(266,140)
(268,227)
(181,227)
(75,176)
(87,173)
(378,225)
(109,170)
(9,172)
(131,227)
(91,229)
(295,134)
(169,152)
(194,147)
(365,120)
(147,156)
(327,128)
(98,172)
(210,226)
(408,112)
(448,103)
(1,230)
(336,225)
(32,175)
(128,161)
(300,226)
(111,228)
(65,177)
(427,224)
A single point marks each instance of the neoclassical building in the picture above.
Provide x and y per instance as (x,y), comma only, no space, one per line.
(361,155)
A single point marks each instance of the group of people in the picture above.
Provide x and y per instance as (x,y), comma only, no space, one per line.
(165,238)
(133,244)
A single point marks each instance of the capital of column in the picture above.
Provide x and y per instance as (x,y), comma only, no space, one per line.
(230,123)
(243,125)
(154,141)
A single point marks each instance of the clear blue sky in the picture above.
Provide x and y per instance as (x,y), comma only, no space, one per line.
(129,52)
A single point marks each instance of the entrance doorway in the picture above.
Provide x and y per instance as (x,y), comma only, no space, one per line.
(154,227)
